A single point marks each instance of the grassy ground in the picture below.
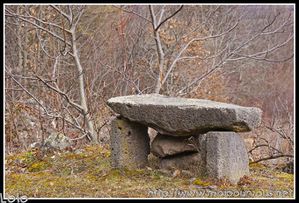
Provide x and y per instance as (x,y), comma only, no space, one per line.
(86,173)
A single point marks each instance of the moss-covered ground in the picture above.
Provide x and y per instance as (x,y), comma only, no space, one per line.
(86,173)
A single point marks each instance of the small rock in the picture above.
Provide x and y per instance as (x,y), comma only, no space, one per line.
(166,145)
(57,141)
(35,145)
(149,168)
(289,168)
(192,162)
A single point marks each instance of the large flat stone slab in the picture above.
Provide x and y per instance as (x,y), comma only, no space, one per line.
(181,116)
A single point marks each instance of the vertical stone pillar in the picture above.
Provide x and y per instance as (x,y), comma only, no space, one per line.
(130,144)
(226,156)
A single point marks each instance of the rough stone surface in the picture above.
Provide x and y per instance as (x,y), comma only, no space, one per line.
(289,167)
(57,141)
(129,144)
(181,117)
(152,134)
(192,162)
(226,156)
(166,145)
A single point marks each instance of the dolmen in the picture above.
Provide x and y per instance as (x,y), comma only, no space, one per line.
(193,134)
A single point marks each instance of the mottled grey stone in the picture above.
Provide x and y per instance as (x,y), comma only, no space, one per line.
(129,144)
(57,141)
(289,167)
(182,117)
(167,145)
(192,162)
(226,156)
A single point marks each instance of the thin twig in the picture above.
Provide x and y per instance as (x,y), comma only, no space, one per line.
(272,157)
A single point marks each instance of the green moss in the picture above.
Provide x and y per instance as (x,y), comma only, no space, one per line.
(74,156)
(115,173)
(89,174)
(201,182)
(257,166)
(121,125)
(38,166)
(286,176)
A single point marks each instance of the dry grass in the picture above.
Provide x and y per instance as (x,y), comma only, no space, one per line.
(86,173)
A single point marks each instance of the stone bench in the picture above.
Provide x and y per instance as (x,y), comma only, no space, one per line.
(192,134)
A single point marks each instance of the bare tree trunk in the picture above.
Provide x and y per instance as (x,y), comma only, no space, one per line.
(160,52)
(161,62)
(72,18)
(83,102)
(20,55)
(156,24)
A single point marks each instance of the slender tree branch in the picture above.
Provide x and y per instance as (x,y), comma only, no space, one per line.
(264,145)
(23,88)
(68,17)
(272,157)
(41,28)
(132,12)
(166,19)
(63,94)
(40,21)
